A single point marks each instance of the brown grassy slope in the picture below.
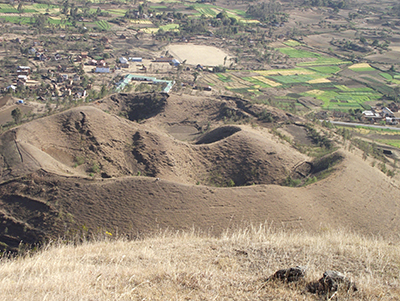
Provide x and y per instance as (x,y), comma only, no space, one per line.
(187,266)
(87,136)
(357,197)
(54,197)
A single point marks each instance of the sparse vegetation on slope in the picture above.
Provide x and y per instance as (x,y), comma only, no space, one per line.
(191,266)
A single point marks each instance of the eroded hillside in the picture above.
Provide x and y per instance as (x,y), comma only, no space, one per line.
(132,163)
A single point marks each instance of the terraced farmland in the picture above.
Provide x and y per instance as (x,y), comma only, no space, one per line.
(344,97)
(362,67)
(103,24)
(324,60)
(298,53)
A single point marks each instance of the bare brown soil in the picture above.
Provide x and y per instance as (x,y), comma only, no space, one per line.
(87,170)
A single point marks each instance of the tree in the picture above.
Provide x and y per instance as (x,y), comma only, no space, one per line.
(195,75)
(16,115)
(20,8)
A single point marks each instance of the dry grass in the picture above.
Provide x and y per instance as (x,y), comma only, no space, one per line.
(319,81)
(189,266)
(267,81)
(360,66)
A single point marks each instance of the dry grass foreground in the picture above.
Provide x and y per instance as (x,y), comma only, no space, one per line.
(190,266)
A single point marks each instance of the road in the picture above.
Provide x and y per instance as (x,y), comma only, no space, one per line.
(363,125)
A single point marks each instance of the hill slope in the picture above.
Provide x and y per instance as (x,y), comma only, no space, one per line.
(84,169)
(187,265)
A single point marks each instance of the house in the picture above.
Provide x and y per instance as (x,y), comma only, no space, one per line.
(101,63)
(12,87)
(102,69)
(40,57)
(23,70)
(123,60)
(32,51)
(84,54)
(386,112)
(22,78)
(136,59)
(175,62)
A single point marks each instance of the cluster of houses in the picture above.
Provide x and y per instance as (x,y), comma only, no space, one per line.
(377,114)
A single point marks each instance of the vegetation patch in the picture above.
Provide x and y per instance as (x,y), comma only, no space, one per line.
(391,142)
(325,69)
(298,53)
(170,27)
(324,61)
(386,76)
(361,67)
(103,25)
(292,43)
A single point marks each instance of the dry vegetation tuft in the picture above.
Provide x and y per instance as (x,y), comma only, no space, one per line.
(191,266)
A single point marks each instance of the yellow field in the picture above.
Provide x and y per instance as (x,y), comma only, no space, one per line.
(319,81)
(267,81)
(360,66)
(142,22)
(315,92)
(284,72)
(150,30)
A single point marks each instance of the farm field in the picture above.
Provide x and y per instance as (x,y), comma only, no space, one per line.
(103,25)
(298,53)
(198,54)
(362,67)
(212,11)
(319,82)
(394,142)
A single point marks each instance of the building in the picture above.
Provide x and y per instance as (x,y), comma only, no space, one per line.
(124,62)
(163,60)
(23,70)
(175,62)
(136,59)
(386,112)
(102,69)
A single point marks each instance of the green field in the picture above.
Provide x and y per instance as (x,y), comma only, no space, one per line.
(8,9)
(324,60)
(292,43)
(326,69)
(224,78)
(119,12)
(170,27)
(205,9)
(103,24)
(298,53)
(213,11)
(17,19)
(256,82)
(386,76)
(293,79)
